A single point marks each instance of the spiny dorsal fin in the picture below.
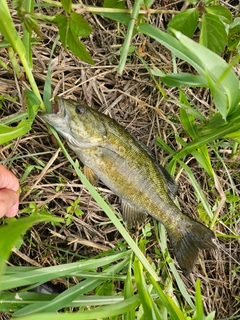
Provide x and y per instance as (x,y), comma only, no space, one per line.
(171,184)
(131,215)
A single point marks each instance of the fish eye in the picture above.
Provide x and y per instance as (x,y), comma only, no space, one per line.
(79,110)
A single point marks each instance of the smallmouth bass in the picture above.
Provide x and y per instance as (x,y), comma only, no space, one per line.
(126,167)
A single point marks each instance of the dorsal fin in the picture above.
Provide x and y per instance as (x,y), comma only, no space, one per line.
(131,215)
(171,184)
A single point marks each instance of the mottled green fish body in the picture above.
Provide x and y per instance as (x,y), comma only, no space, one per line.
(128,169)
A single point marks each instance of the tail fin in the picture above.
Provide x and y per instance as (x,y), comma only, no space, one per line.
(186,247)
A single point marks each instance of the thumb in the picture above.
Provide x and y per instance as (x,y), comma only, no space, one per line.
(8,202)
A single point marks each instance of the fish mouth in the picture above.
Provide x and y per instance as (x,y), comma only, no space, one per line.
(58,119)
(59,107)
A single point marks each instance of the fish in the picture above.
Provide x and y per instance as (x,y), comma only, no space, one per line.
(128,168)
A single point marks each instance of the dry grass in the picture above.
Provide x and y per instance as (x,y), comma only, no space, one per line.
(135,102)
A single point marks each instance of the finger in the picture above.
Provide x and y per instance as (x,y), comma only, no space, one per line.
(13,211)
(8,202)
(8,179)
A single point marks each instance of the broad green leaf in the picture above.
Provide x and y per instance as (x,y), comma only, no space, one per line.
(120,17)
(200,154)
(78,25)
(9,133)
(176,47)
(208,1)
(221,74)
(211,316)
(67,5)
(206,62)
(69,38)
(235,24)
(63,25)
(114,4)
(219,98)
(77,47)
(180,79)
(148,3)
(221,12)
(234,35)
(188,120)
(185,22)
(13,302)
(213,34)
(233,135)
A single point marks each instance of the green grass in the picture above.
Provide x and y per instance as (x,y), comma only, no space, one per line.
(142,291)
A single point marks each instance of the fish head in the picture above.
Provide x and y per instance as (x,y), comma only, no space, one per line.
(80,125)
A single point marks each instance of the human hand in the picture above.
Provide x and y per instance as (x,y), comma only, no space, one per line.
(9,198)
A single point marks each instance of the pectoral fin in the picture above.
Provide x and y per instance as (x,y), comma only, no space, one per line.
(91,176)
(131,215)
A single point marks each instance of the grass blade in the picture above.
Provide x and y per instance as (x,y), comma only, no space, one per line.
(99,313)
(8,30)
(128,37)
(47,92)
(46,274)
(149,306)
(199,306)
(174,311)
(11,233)
(65,298)
(128,290)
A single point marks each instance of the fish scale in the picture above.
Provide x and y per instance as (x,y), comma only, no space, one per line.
(127,167)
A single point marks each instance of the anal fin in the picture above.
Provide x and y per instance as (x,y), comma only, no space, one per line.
(131,215)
